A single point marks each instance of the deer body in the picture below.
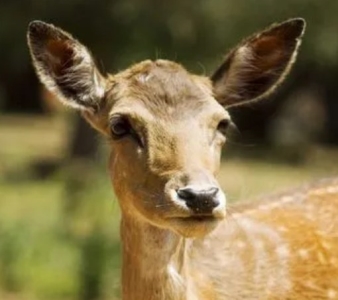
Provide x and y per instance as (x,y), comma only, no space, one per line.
(166,128)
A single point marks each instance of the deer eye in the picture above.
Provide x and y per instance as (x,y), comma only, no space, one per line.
(120,127)
(223,126)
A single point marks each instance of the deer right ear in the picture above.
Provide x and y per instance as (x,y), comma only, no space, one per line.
(256,67)
(65,66)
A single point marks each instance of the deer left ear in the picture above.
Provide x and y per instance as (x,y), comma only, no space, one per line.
(65,66)
(256,67)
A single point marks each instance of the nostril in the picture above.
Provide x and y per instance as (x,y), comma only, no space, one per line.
(214,203)
(186,193)
(212,191)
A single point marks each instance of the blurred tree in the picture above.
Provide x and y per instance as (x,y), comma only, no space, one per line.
(196,33)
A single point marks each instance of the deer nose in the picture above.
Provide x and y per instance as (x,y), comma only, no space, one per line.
(200,201)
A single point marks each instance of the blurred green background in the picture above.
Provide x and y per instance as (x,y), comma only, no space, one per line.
(58,216)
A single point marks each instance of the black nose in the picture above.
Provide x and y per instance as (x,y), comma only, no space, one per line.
(199,201)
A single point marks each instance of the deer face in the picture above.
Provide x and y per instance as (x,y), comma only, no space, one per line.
(167,131)
(166,126)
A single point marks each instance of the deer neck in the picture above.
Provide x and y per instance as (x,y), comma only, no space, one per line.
(154,261)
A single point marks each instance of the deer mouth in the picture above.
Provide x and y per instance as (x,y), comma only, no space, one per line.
(193,217)
(197,219)
(201,220)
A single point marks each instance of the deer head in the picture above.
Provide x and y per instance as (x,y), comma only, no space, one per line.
(166,126)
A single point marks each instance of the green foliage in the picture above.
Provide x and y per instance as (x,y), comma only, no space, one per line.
(40,261)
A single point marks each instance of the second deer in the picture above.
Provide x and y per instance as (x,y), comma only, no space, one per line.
(166,128)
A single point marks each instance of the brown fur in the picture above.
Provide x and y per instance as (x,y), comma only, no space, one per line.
(281,248)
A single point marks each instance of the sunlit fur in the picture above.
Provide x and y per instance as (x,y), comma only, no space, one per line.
(282,247)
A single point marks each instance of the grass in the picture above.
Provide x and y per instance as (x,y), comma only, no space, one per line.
(40,250)
(53,243)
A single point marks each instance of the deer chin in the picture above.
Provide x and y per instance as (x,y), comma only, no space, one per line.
(194,226)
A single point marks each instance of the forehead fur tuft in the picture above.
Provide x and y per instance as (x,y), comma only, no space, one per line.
(162,83)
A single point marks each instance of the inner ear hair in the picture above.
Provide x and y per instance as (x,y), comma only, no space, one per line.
(65,66)
(255,68)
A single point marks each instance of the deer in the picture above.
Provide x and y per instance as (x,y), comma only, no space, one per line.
(166,128)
